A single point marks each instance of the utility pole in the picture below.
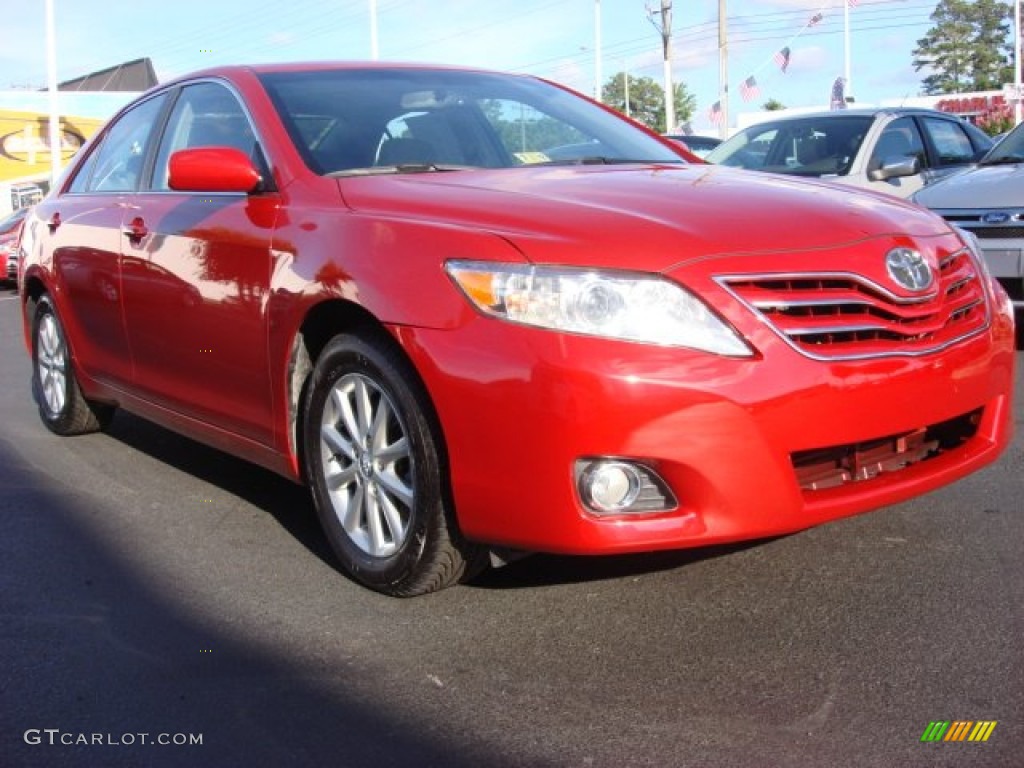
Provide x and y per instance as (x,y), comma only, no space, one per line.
(723,68)
(664,27)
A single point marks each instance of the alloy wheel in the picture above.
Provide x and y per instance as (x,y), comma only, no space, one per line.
(52,363)
(367,465)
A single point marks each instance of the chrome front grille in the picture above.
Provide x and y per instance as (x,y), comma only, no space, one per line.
(847,316)
(995,232)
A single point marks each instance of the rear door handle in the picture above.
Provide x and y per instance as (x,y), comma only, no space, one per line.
(136,230)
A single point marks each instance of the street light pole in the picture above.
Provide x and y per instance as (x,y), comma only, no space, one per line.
(1016,61)
(51,84)
(625,88)
(597,50)
(846,51)
(374,47)
(723,68)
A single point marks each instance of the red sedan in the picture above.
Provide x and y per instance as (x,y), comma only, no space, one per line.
(10,227)
(478,313)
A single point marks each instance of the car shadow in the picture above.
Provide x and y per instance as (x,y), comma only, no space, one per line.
(101,659)
(291,506)
(538,570)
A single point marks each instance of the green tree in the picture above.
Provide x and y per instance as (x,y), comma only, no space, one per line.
(647,100)
(685,103)
(773,105)
(992,63)
(966,49)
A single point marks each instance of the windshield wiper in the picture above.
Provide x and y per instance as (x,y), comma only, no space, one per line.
(1004,160)
(383,170)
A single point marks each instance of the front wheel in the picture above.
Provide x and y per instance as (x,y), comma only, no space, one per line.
(62,406)
(375,464)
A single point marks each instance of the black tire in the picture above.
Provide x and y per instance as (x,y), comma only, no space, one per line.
(377,469)
(62,407)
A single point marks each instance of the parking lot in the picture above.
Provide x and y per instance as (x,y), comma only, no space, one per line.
(155,588)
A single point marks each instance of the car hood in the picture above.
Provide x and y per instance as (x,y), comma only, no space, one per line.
(985,186)
(659,216)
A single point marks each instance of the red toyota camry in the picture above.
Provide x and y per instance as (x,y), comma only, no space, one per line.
(478,313)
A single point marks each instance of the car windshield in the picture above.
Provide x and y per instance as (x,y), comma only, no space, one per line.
(359,121)
(812,146)
(1009,150)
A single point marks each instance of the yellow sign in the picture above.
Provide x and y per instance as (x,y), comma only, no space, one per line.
(25,142)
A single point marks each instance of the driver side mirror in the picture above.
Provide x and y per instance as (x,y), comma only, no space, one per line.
(896,166)
(213,169)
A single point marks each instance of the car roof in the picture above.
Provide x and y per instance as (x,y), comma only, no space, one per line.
(327,66)
(864,112)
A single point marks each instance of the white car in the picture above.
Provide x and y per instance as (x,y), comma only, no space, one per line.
(893,150)
(988,201)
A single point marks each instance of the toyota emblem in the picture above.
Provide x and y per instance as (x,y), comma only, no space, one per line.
(908,269)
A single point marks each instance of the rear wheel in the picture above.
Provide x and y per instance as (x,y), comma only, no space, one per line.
(62,407)
(375,463)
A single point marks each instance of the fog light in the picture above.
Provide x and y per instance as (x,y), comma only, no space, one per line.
(616,487)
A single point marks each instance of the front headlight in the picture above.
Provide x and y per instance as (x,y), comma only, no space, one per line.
(615,305)
(971,241)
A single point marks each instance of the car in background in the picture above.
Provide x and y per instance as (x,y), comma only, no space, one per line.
(376,279)
(988,202)
(892,150)
(699,145)
(9,231)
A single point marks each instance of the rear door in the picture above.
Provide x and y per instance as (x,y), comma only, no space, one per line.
(81,230)
(196,275)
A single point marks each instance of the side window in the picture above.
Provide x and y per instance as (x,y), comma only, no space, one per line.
(900,138)
(118,162)
(950,140)
(205,115)
(80,183)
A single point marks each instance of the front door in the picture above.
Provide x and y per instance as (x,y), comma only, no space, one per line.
(196,271)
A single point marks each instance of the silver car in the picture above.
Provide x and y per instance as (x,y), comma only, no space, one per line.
(988,200)
(892,150)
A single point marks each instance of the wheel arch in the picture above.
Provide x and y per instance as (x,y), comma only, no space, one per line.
(321,323)
(32,290)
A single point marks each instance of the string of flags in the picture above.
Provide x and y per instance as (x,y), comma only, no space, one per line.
(749,88)
(782,58)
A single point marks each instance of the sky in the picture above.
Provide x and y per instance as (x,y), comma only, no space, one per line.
(555,39)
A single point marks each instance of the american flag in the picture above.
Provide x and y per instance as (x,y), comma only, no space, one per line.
(749,90)
(815,19)
(715,113)
(782,58)
(838,100)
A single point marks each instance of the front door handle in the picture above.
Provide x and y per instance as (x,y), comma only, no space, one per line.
(136,230)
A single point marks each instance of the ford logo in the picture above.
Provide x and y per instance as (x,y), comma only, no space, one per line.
(908,269)
(995,217)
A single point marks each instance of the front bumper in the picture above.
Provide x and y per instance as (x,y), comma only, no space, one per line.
(519,406)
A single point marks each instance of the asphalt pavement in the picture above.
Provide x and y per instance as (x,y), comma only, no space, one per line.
(155,590)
